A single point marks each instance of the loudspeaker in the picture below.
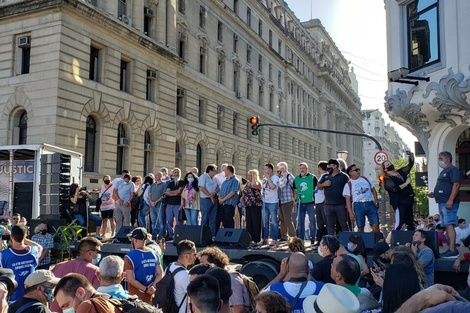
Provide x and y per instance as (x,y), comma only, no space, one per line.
(121,235)
(233,236)
(401,237)
(200,235)
(369,238)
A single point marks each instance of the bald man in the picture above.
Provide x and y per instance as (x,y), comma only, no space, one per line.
(294,270)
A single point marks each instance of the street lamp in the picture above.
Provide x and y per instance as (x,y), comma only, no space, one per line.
(342,155)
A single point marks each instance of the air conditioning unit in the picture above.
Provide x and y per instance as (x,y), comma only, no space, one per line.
(238,94)
(148,12)
(180,93)
(148,147)
(151,74)
(123,142)
(24,42)
(125,19)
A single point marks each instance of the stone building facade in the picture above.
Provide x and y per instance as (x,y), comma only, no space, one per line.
(144,84)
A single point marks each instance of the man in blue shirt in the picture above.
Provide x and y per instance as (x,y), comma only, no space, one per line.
(228,196)
(208,190)
(111,275)
(425,255)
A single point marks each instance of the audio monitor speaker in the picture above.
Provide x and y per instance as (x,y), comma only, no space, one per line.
(200,235)
(234,236)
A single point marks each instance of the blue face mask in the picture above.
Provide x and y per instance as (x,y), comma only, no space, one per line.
(350,247)
(97,260)
(190,180)
(442,164)
(48,294)
(69,310)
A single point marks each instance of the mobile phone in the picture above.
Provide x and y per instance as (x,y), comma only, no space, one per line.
(408,152)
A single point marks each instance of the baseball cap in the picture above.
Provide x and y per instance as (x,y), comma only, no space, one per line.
(40,277)
(138,233)
(333,162)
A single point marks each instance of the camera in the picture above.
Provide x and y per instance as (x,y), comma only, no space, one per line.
(7,279)
(84,188)
(408,152)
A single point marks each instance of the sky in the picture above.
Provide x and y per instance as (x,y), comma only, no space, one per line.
(358,29)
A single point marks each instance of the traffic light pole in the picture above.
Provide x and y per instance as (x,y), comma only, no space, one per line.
(379,146)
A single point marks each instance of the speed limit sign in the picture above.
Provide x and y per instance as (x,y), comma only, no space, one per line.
(380,157)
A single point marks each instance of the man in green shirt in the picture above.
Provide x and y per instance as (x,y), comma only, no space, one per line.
(305,184)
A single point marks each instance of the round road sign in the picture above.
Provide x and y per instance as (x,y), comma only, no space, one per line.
(380,157)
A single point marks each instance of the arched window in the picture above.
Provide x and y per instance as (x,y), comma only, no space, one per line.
(90,144)
(122,143)
(23,127)
(199,157)
(147,152)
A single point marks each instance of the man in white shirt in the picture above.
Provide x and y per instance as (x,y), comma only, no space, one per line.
(461,232)
(270,203)
(319,202)
(208,190)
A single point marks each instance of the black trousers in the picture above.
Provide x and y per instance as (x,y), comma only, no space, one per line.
(228,213)
(321,221)
(253,222)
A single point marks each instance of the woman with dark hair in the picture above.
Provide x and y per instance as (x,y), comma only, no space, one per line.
(137,180)
(271,302)
(357,247)
(190,198)
(400,283)
(79,200)
(327,249)
(397,183)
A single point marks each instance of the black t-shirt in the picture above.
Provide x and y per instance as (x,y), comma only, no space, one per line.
(175,200)
(14,307)
(334,192)
(322,270)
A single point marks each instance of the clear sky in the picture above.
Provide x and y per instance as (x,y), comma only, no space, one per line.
(358,29)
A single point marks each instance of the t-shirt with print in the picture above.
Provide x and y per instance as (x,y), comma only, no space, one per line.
(443,187)
(271,195)
(361,189)
(107,200)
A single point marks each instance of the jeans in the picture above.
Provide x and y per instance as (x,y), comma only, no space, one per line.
(92,217)
(209,213)
(270,215)
(171,212)
(156,215)
(143,212)
(191,216)
(308,208)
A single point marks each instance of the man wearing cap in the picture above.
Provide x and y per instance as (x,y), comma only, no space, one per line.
(37,293)
(142,266)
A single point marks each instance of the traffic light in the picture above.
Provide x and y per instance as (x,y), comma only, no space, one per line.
(381,183)
(254,120)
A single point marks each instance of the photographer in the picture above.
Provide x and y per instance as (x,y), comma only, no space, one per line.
(79,200)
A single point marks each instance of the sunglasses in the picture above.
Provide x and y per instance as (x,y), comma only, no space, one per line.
(356,170)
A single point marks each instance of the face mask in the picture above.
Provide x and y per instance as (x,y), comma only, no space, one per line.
(97,259)
(126,183)
(48,294)
(441,164)
(43,231)
(320,252)
(190,180)
(107,181)
(391,168)
(350,247)
(69,310)
(329,170)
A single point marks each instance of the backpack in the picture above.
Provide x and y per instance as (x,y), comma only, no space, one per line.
(133,303)
(164,298)
(251,287)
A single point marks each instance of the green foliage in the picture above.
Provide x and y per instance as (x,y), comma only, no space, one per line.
(67,234)
(421,197)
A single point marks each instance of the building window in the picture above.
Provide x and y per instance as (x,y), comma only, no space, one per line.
(23,128)
(220,70)
(260,95)
(270,38)
(124,79)
(180,93)
(220,31)
(148,17)
(260,63)
(236,79)
(182,45)
(260,28)
(279,46)
(122,143)
(202,60)
(279,79)
(235,6)
(150,86)
(90,144)
(423,33)
(234,123)
(235,43)
(94,64)
(248,16)
(147,152)
(182,6)
(178,155)
(270,72)
(202,16)
(202,111)
(249,87)
(220,117)
(271,101)
(122,9)
(248,54)
(23,54)
(199,157)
